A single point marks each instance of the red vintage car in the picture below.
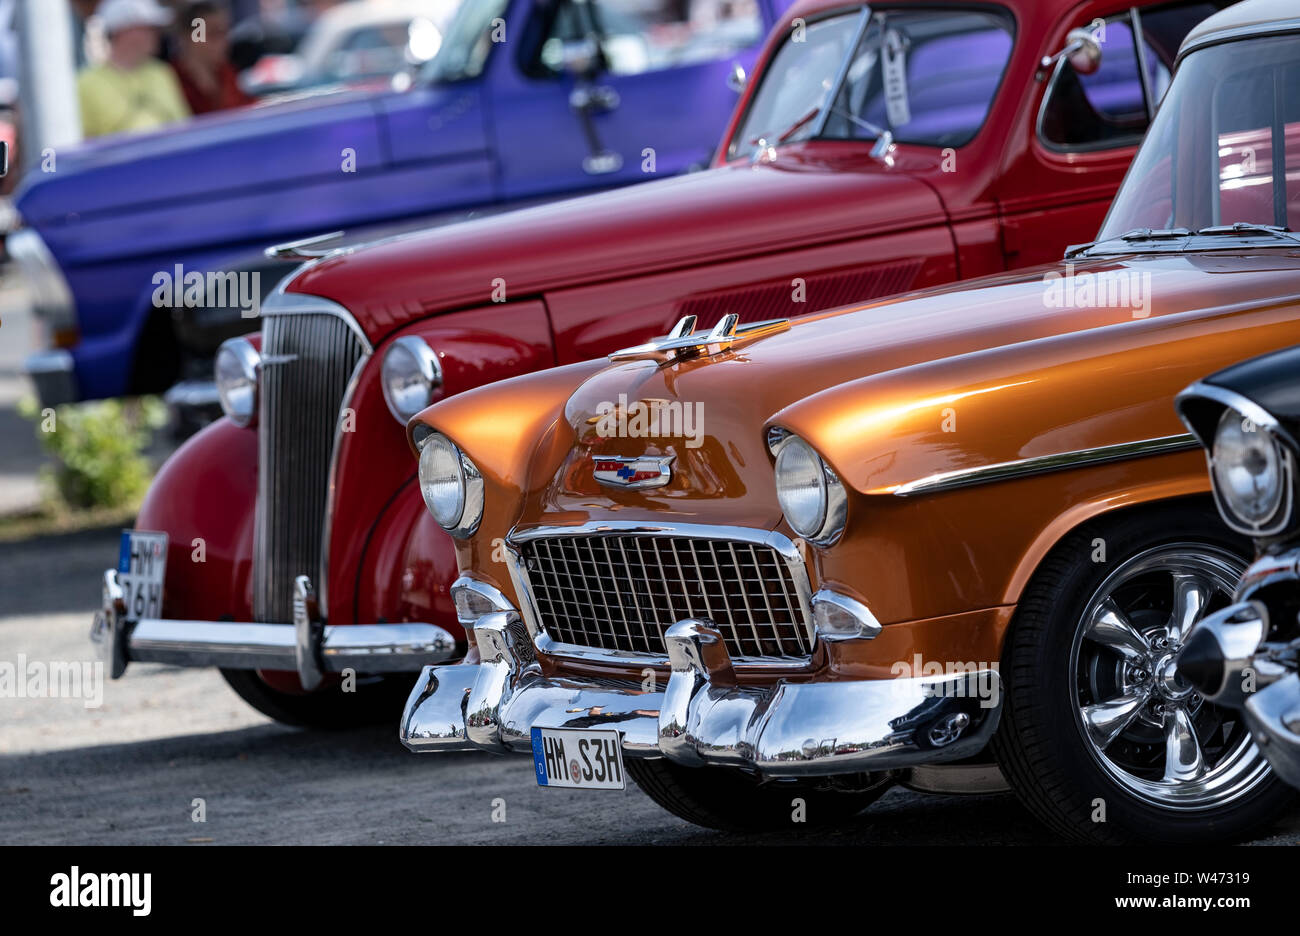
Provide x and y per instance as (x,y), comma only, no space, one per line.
(877,150)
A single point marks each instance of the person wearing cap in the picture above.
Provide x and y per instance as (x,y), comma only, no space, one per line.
(132,91)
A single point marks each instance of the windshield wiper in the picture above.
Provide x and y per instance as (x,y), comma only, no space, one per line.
(1248,227)
(1137,235)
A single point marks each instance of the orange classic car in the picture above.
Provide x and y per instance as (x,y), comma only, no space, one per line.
(952,539)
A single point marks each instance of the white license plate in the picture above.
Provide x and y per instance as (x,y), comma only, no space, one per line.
(141,565)
(569,757)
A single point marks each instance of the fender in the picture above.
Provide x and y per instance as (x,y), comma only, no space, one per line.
(204,500)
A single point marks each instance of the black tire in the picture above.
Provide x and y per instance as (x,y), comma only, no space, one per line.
(733,801)
(376,701)
(1041,745)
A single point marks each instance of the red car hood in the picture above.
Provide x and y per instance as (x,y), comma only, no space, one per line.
(811,194)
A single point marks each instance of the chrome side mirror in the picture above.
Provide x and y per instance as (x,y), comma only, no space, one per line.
(1082,51)
(736,78)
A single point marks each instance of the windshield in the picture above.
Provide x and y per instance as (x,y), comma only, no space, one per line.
(1224,148)
(928,77)
(467,41)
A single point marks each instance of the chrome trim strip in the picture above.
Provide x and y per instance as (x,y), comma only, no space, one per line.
(543,642)
(1043,464)
(327,524)
(283,303)
(1280,27)
(1229,398)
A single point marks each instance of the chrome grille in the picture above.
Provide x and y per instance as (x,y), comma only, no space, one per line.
(622,591)
(309,355)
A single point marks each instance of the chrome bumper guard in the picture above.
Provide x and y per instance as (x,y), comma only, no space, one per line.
(702,716)
(307,646)
(1249,672)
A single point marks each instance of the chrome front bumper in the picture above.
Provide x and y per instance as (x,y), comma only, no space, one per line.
(307,646)
(702,716)
(1249,672)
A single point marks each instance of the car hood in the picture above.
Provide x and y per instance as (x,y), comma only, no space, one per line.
(981,373)
(812,193)
(210,157)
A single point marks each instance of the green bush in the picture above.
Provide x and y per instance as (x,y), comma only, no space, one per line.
(98,450)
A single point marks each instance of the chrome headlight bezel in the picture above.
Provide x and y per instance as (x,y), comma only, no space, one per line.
(421,374)
(462,517)
(1280,505)
(825,524)
(244,373)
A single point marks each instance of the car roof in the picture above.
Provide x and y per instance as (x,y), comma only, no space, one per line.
(1251,17)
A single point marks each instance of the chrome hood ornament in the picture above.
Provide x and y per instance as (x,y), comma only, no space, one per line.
(632,472)
(685,341)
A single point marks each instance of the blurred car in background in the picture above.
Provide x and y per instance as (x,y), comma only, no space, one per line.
(353,43)
(519,105)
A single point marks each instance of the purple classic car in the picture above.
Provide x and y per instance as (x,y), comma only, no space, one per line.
(144,253)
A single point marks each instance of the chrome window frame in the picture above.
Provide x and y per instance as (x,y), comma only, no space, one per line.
(519,578)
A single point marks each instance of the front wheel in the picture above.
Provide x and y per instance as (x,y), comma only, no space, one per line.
(734,801)
(376,701)
(1100,736)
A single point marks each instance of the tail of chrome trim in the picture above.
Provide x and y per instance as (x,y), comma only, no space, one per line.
(1042,464)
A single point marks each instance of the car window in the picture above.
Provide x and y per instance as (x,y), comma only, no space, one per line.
(1111,107)
(929,77)
(796,82)
(1249,188)
(639,36)
(1224,147)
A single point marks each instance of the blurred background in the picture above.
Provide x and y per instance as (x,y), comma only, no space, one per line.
(147,134)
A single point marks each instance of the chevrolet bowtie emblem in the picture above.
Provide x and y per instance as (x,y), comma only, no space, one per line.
(685,341)
(640,471)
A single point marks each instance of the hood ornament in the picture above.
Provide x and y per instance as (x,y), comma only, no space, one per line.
(632,472)
(685,341)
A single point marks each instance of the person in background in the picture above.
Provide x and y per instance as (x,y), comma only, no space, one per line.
(132,91)
(202,59)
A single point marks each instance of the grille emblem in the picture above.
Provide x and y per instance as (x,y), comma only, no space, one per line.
(639,471)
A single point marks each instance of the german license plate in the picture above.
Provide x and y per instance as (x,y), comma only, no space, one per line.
(141,565)
(569,757)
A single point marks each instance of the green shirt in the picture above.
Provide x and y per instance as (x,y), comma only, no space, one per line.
(117,101)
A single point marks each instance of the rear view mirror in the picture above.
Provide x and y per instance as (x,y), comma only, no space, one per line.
(1082,51)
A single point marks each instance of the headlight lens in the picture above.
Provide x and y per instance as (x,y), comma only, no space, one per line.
(451,485)
(410,375)
(236,374)
(801,486)
(1249,471)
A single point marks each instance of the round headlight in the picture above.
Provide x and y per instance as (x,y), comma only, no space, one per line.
(236,375)
(451,485)
(1249,472)
(410,374)
(801,486)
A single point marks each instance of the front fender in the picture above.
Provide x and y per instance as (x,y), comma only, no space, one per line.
(204,499)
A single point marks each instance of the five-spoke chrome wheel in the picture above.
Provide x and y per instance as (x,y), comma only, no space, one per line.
(1146,725)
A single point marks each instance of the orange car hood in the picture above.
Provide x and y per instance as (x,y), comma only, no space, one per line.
(993,370)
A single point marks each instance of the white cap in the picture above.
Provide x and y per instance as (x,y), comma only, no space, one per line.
(120,14)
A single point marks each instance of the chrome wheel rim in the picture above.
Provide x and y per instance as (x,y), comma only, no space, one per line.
(1143,724)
